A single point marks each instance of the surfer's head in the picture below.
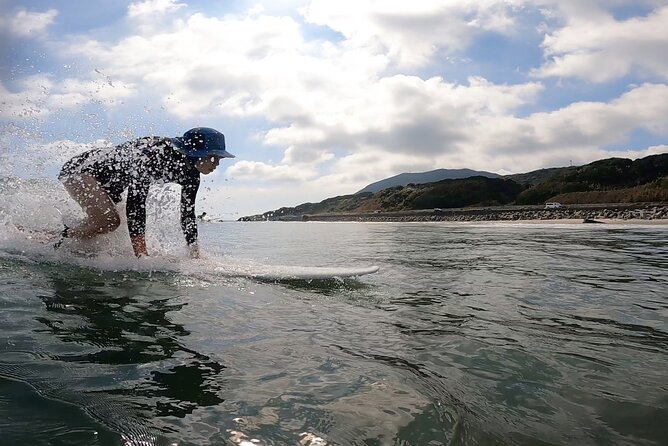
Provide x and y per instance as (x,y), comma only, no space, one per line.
(202,142)
(204,147)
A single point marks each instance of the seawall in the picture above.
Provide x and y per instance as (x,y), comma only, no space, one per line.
(505,213)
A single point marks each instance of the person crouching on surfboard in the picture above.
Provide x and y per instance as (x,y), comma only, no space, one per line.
(97,178)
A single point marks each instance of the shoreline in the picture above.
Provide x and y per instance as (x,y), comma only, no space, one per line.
(571,221)
(634,213)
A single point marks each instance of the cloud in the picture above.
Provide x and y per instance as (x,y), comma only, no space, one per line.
(363,102)
(59,152)
(259,171)
(26,23)
(26,104)
(403,114)
(588,123)
(262,66)
(38,159)
(150,16)
(656,150)
(570,11)
(151,8)
(598,48)
(233,201)
(40,96)
(412,32)
(578,132)
(205,65)
(488,139)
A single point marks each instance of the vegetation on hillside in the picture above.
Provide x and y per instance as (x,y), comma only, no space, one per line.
(613,180)
(656,191)
(537,176)
(604,175)
(473,191)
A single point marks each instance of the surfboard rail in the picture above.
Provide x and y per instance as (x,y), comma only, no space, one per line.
(290,272)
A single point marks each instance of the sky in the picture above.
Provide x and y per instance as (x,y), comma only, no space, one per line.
(319,98)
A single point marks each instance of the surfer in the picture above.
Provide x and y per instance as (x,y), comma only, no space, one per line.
(96,179)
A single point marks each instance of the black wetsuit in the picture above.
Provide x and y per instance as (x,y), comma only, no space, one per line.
(134,166)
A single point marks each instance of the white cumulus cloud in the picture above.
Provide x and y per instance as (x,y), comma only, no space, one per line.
(26,23)
(412,32)
(599,48)
(265,172)
(40,95)
(351,92)
(149,8)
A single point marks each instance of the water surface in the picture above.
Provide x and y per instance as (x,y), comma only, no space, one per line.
(496,334)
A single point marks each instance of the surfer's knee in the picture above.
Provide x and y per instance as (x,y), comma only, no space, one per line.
(114,221)
(111,221)
(103,221)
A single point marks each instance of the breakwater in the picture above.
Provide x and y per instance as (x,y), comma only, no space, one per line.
(502,213)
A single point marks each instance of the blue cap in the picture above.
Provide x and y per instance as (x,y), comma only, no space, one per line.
(202,141)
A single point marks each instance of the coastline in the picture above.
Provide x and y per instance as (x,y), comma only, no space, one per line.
(625,213)
(609,221)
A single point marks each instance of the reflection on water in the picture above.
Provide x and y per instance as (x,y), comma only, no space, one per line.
(469,334)
(136,330)
(115,328)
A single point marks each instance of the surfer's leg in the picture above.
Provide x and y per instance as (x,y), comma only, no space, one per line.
(101,214)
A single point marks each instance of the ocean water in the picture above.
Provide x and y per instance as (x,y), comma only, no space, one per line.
(470,334)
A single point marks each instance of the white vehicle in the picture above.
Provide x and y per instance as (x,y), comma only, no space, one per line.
(552,205)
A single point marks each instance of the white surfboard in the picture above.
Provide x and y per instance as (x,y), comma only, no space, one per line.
(289,272)
(209,266)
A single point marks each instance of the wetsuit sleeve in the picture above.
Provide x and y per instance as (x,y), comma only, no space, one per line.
(188,222)
(135,209)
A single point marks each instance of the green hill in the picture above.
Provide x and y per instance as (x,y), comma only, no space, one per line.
(604,175)
(473,191)
(613,180)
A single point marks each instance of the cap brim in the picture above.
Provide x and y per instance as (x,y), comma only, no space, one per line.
(178,143)
(220,153)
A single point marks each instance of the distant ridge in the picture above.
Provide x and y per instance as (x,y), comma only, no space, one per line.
(432,176)
(610,180)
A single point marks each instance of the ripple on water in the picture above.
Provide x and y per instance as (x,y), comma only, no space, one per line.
(476,334)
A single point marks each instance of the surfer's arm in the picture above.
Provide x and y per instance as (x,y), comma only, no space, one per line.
(135,212)
(188,220)
(139,245)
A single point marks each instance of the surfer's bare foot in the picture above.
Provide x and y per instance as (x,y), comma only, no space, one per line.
(194,251)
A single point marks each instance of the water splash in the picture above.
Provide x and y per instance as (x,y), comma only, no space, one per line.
(34,211)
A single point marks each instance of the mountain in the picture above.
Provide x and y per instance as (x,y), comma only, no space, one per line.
(404,179)
(612,180)
(450,193)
